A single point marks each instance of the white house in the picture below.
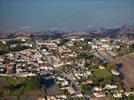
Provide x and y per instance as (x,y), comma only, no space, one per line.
(115,72)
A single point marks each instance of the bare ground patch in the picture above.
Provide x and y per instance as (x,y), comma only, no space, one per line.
(127,69)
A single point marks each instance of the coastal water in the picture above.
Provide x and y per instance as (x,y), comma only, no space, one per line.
(39,15)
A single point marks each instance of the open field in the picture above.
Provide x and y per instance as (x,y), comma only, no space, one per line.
(127,69)
(12,88)
(101,73)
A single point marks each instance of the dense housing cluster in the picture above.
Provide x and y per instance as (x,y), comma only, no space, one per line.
(79,66)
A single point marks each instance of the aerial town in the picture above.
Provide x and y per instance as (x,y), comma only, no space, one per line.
(71,68)
(66,49)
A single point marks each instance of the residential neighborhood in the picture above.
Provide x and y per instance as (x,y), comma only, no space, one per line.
(66,49)
(74,68)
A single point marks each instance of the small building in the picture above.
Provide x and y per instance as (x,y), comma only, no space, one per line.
(99,94)
(96,88)
(109,86)
(117,95)
(115,72)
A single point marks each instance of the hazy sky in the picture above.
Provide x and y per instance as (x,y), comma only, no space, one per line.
(69,14)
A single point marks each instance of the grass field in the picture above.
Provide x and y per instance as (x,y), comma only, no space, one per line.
(17,86)
(101,73)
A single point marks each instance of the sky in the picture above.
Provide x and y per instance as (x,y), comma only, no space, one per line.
(39,15)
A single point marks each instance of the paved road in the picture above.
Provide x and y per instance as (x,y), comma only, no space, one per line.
(65,76)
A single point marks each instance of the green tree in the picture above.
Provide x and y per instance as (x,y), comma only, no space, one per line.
(86,88)
(131,97)
(110,66)
(131,47)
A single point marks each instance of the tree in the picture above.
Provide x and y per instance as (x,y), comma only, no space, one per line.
(131,47)
(56,53)
(131,97)
(86,88)
(65,91)
(110,66)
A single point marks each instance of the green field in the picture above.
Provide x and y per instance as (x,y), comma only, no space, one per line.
(101,73)
(17,86)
